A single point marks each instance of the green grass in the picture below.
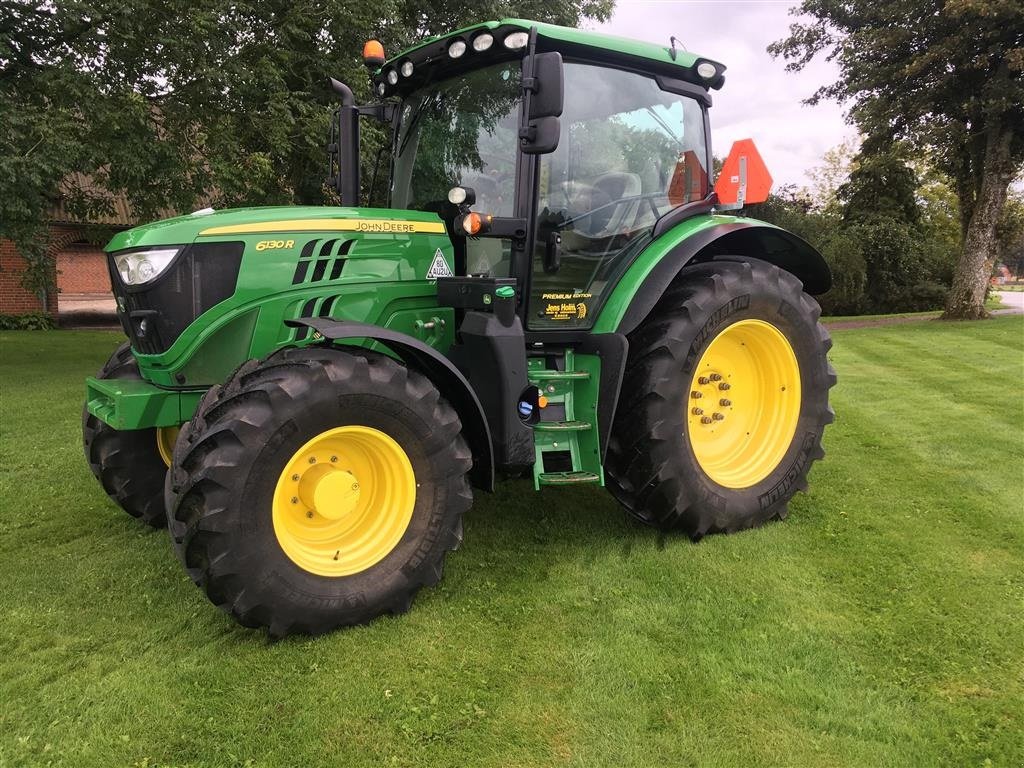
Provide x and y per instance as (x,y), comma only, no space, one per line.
(881,625)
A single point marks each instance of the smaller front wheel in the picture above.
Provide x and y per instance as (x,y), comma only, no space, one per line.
(130,464)
(319,488)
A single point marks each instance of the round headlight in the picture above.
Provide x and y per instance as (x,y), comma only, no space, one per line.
(124,268)
(707,70)
(457,48)
(482,42)
(517,40)
(456,195)
(406,69)
(145,271)
(381,88)
(392,77)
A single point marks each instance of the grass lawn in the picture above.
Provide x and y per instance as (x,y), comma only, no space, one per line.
(881,625)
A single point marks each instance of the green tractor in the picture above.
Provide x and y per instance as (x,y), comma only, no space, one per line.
(309,395)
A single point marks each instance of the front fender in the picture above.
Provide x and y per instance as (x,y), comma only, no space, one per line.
(702,239)
(436,367)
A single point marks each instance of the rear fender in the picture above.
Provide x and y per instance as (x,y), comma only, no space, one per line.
(436,367)
(742,238)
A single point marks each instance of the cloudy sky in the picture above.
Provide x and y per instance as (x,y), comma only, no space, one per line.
(760,100)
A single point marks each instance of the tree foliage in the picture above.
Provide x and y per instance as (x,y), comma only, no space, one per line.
(886,237)
(945,76)
(169,102)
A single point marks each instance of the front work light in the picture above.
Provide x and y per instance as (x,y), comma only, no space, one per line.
(138,267)
(461,196)
(482,42)
(406,69)
(707,70)
(392,77)
(457,48)
(517,40)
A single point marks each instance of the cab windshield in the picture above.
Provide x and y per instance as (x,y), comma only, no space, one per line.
(460,132)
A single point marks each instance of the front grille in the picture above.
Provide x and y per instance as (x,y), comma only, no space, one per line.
(154,315)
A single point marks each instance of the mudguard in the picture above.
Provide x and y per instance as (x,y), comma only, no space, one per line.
(436,367)
(731,238)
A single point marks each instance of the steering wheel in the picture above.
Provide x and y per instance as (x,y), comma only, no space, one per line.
(603,213)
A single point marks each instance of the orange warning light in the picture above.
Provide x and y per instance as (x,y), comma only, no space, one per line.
(744,178)
(373,53)
(542,401)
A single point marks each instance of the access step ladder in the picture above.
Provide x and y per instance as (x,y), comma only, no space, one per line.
(566,443)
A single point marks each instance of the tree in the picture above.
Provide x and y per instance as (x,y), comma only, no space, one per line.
(947,77)
(174,104)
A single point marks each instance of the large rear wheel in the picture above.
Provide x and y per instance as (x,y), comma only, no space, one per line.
(319,488)
(724,400)
(130,464)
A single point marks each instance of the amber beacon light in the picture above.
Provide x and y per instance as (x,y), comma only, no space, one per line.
(373,53)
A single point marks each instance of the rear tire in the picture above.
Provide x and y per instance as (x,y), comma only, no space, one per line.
(258,505)
(683,455)
(127,463)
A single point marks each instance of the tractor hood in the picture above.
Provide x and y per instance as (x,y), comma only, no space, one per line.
(280,220)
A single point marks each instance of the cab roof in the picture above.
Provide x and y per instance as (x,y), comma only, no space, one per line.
(597,46)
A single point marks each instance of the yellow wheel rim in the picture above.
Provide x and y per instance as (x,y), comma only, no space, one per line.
(165,439)
(744,404)
(344,501)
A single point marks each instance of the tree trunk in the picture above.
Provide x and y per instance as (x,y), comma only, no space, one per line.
(966,299)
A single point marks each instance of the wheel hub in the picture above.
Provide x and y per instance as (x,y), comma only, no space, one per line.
(343,501)
(329,492)
(744,403)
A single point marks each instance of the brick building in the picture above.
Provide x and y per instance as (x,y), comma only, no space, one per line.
(78,259)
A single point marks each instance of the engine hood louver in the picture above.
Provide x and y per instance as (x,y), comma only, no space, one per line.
(321,260)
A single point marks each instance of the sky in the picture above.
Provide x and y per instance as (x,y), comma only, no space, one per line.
(759,100)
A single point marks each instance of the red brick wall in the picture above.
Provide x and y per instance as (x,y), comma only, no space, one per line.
(14,299)
(82,268)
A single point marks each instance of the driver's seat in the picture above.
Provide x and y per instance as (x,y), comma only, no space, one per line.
(620,185)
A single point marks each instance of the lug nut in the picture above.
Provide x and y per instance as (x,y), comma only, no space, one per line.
(716,377)
(698,411)
(295,499)
(295,478)
(334,459)
(309,514)
(355,486)
(725,403)
(718,417)
(696,395)
(702,380)
(312,459)
(724,386)
(705,419)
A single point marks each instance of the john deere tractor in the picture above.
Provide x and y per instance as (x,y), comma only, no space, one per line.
(310,396)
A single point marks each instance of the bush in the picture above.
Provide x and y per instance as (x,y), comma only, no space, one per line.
(31,321)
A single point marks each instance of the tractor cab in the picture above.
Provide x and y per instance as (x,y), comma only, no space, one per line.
(549,157)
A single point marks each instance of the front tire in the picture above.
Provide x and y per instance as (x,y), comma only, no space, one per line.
(724,400)
(130,464)
(319,488)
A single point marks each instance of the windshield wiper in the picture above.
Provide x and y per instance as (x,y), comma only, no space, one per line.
(414,118)
(664,126)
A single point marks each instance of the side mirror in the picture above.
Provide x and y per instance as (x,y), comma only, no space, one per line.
(540,136)
(549,79)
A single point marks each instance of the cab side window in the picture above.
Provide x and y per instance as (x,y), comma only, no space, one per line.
(629,152)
